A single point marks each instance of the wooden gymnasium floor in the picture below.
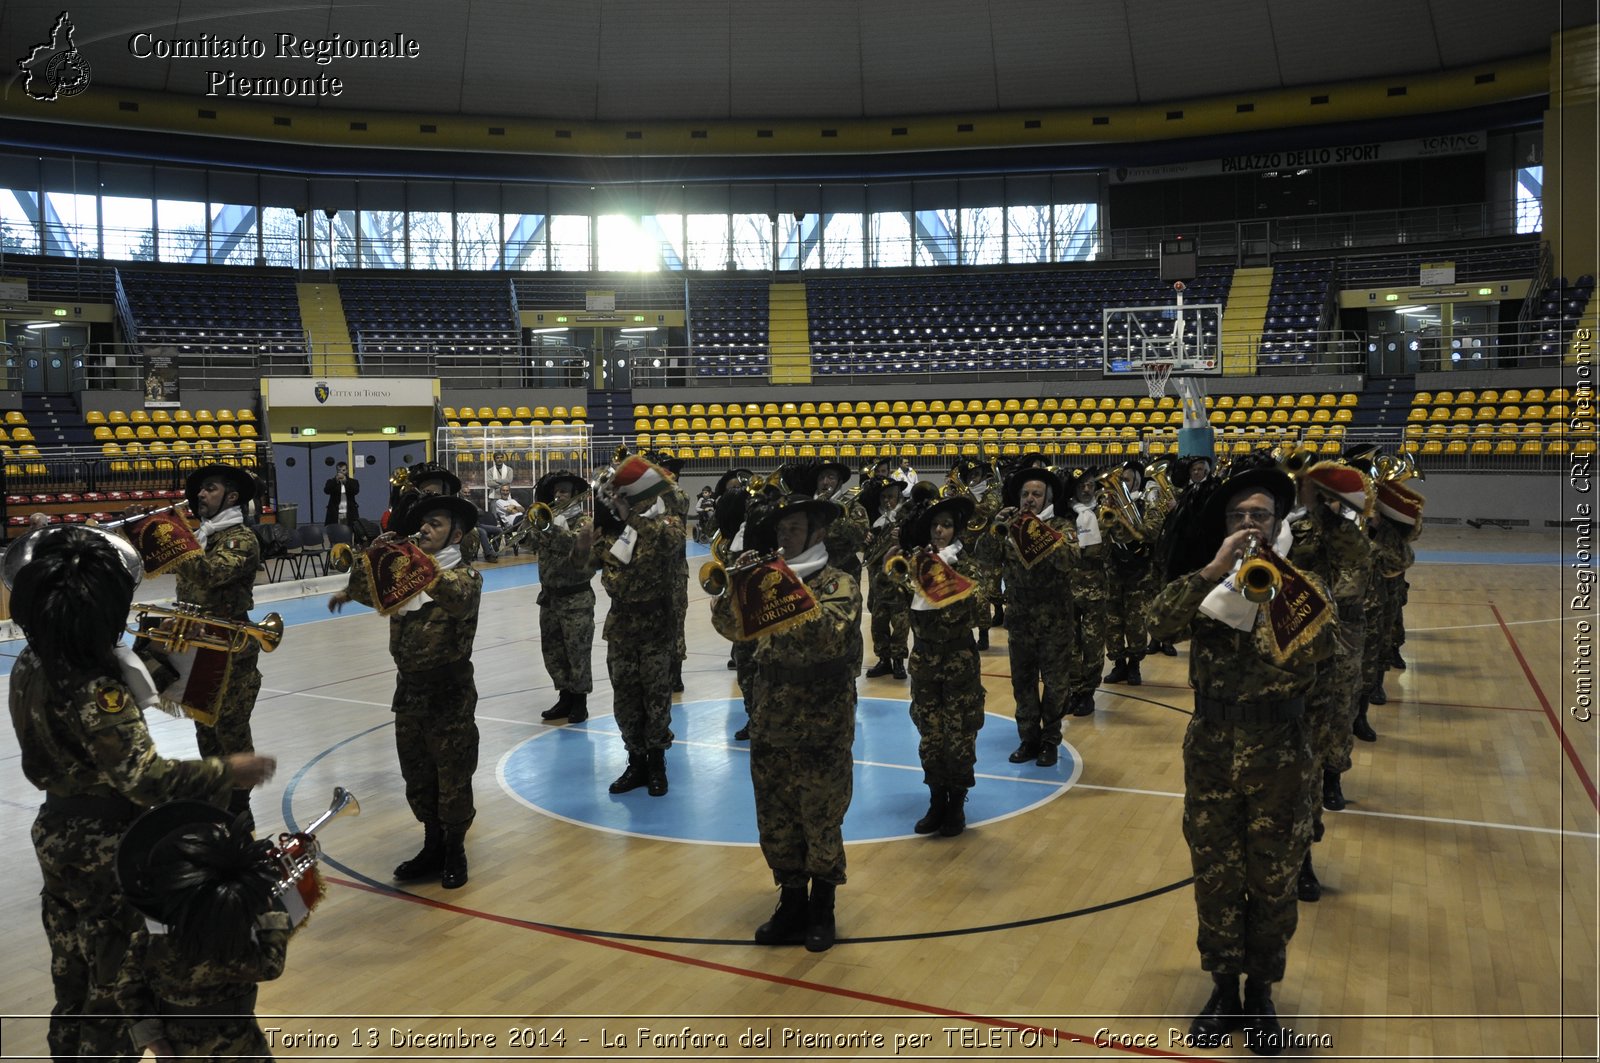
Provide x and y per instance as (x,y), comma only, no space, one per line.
(1459,918)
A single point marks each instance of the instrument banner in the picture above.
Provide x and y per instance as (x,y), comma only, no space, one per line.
(1033,539)
(396,573)
(1296,613)
(769,598)
(163,540)
(202,677)
(937,581)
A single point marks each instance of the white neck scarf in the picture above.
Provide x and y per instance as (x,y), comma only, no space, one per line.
(979,490)
(231,517)
(444,561)
(810,562)
(1088,524)
(1048,512)
(622,549)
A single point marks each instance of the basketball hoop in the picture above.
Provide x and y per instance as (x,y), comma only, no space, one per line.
(1156,375)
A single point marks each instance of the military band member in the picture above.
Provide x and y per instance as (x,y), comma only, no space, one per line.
(1330,541)
(1396,522)
(435,694)
(946,687)
(566,596)
(1130,582)
(1089,589)
(638,568)
(677,505)
(732,495)
(1248,763)
(802,727)
(888,601)
(979,479)
(76,703)
(1039,611)
(221,583)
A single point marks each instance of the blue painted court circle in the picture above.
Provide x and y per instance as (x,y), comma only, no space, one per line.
(563,773)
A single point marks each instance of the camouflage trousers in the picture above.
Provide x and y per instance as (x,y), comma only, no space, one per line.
(436,738)
(680,611)
(1088,644)
(1247,819)
(90,929)
(744,662)
(566,638)
(1376,648)
(641,692)
(989,590)
(947,708)
(1040,652)
(1331,703)
(216,1037)
(231,732)
(891,621)
(1127,631)
(802,794)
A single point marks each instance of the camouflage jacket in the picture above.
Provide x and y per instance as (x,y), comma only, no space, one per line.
(1392,552)
(1232,665)
(91,739)
(554,547)
(1335,549)
(1047,583)
(220,981)
(846,537)
(439,633)
(221,580)
(936,628)
(641,590)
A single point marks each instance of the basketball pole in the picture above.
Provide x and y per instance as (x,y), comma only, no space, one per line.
(1196,439)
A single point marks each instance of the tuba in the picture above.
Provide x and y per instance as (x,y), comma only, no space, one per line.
(1258,578)
(1389,468)
(1117,505)
(1157,473)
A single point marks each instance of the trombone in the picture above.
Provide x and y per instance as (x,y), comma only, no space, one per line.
(1258,578)
(182,627)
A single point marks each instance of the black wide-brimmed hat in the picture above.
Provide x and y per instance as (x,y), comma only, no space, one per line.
(144,839)
(872,489)
(1198,525)
(915,532)
(836,466)
(970,469)
(669,462)
(1011,493)
(462,512)
(241,479)
(730,513)
(432,470)
(545,490)
(817,509)
(726,480)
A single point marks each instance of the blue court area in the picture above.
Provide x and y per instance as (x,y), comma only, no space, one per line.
(1493,557)
(564,773)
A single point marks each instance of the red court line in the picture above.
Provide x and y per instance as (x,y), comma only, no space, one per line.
(746,972)
(1550,714)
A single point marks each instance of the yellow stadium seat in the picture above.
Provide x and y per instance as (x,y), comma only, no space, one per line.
(207,431)
(115,417)
(124,432)
(139,416)
(145,431)
(94,417)
(1511,395)
(102,433)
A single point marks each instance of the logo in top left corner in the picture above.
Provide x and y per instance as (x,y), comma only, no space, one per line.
(55,69)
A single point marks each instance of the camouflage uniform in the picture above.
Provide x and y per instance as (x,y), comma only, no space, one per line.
(677,507)
(566,608)
(988,575)
(1039,623)
(639,653)
(1089,593)
(888,601)
(802,727)
(846,538)
(1391,556)
(1130,584)
(1338,552)
(1248,766)
(946,687)
(221,582)
(435,695)
(87,748)
(207,1009)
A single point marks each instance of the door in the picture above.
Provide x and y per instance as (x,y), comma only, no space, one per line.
(369,465)
(291,466)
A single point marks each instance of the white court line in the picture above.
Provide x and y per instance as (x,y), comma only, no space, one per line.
(1509,623)
(1079,785)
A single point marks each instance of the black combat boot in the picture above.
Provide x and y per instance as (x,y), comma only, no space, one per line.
(1048,755)
(1361,728)
(1396,661)
(1259,1019)
(1118,674)
(455,860)
(882,668)
(1135,677)
(955,813)
(1307,888)
(1025,752)
(983,638)
(999,615)
(1332,792)
(788,923)
(1168,649)
(577,707)
(677,677)
(633,777)
(743,733)
(1377,695)
(429,859)
(1083,704)
(899,667)
(655,766)
(819,917)
(938,798)
(1220,1016)
(559,710)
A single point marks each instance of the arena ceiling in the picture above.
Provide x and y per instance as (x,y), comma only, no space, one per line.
(708,60)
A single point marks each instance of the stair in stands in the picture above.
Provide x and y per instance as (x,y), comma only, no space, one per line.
(610,416)
(322,314)
(1384,402)
(788,334)
(1244,318)
(54,420)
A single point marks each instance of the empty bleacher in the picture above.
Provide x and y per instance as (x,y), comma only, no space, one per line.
(215,312)
(728,326)
(1296,311)
(454,315)
(1510,423)
(1497,261)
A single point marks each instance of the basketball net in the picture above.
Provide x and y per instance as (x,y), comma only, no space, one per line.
(1156,375)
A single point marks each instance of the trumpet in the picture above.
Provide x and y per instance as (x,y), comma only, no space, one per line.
(716,577)
(1258,579)
(1294,459)
(541,516)
(185,627)
(342,556)
(110,524)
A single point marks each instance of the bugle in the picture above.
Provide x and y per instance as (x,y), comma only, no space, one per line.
(182,627)
(137,517)
(1294,459)
(1391,469)
(898,568)
(342,556)
(1258,578)
(298,886)
(716,578)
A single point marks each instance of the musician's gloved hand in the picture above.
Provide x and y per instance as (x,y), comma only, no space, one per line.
(250,770)
(338,602)
(1232,550)
(1006,515)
